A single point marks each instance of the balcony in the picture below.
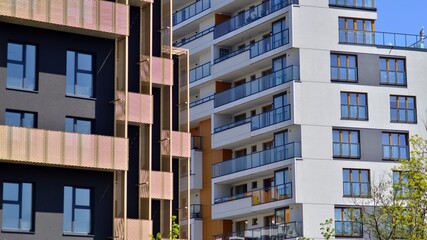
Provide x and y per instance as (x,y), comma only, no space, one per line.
(190,11)
(195,212)
(138,228)
(251,15)
(107,18)
(277,231)
(161,73)
(261,120)
(196,143)
(382,39)
(196,172)
(140,108)
(194,37)
(261,46)
(63,149)
(202,108)
(363,4)
(274,79)
(257,159)
(354,112)
(344,74)
(161,184)
(175,143)
(395,152)
(261,196)
(397,78)
(200,72)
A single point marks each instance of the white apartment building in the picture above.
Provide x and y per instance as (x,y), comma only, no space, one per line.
(296,106)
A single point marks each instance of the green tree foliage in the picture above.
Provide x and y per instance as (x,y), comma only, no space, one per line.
(327,230)
(173,234)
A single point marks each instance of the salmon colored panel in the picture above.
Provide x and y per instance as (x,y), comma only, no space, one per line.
(54,147)
(71,146)
(73,13)
(6,7)
(120,106)
(138,229)
(23,8)
(144,184)
(165,142)
(37,143)
(19,143)
(121,154)
(40,10)
(4,141)
(106,16)
(87,150)
(144,69)
(89,14)
(167,185)
(119,227)
(146,108)
(105,152)
(57,12)
(121,17)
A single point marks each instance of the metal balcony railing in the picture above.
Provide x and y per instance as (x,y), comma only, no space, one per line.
(200,72)
(196,142)
(201,101)
(257,159)
(276,231)
(368,4)
(251,15)
(194,37)
(258,85)
(190,11)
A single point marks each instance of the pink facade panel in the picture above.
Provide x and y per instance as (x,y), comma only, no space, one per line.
(56,12)
(89,14)
(54,147)
(105,152)
(138,229)
(161,185)
(120,153)
(122,19)
(36,149)
(162,71)
(73,13)
(106,16)
(144,180)
(40,10)
(22,8)
(140,108)
(179,144)
(87,150)
(19,139)
(6,7)
(71,145)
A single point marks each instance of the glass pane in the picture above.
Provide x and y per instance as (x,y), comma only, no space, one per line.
(383,64)
(360,25)
(84,84)
(343,61)
(14,51)
(82,197)
(15,75)
(401,65)
(344,136)
(69,124)
(341,23)
(336,136)
(81,221)
(13,119)
(354,137)
(344,98)
(347,214)
(68,199)
(350,24)
(411,103)
(84,62)
(84,126)
(392,65)
(346,175)
(27,206)
(402,102)
(393,101)
(28,120)
(362,99)
(353,99)
(11,191)
(368,26)
(365,176)
(386,139)
(338,214)
(334,60)
(30,68)
(10,216)
(352,61)
(347,188)
(396,177)
(402,140)
(394,139)
(70,72)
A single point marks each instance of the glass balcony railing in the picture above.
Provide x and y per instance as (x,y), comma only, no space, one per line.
(196,142)
(196,211)
(194,37)
(261,120)
(251,15)
(190,11)
(265,195)
(382,39)
(393,77)
(200,72)
(344,74)
(369,4)
(201,101)
(354,112)
(258,85)
(357,189)
(403,115)
(346,150)
(260,47)
(276,231)
(395,152)
(257,159)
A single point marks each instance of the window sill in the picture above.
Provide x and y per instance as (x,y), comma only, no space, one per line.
(17,231)
(344,157)
(403,122)
(355,119)
(343,81)
(349,196)
(80,97)
(77,235)
(22,90)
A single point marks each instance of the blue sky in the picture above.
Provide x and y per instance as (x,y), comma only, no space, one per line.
(401,16)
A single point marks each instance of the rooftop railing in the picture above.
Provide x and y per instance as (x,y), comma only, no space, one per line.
(276,231)
(274,79)
(257,159)
(194,37)
(190,11)
(368,4)
(251,15)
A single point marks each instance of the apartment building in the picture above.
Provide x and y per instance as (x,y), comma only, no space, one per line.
(295,107)
(94,134)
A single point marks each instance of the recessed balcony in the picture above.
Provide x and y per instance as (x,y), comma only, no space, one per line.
(276,231)
(63,149)
(89,17)
(200,72)
(194,37)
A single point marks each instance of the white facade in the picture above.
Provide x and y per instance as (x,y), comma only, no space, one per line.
(247,118)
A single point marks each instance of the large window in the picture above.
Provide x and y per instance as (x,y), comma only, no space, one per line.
(77,210)
(21,66)
(354,106)
(78,125)
(17,206)
(79,74)
(348,222)
(393,71)
(359,31)
(343,68)
(346,144)
(20,119)
(400,184)
(356,183)
(395,146)
(403,109)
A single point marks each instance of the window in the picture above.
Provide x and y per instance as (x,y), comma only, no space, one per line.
(395,146)
(17,207)
(78,125)
(359,31)
(282,215)
(392,71)
(403,109)
(282,184)
(354,106)
(20,119)
(346,144)
(77,210)
(400,184)
(356,183)
(343,68)
(348,222)
(21,66)
(79,74)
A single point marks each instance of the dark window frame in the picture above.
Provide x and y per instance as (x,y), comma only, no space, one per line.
(77,70)
(359,181)
(397,108)
(35,117)
(349,132)
(75,206)
(24,64)
(359,108)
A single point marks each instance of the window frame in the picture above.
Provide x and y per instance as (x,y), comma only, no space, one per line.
(340,132)
(406,109)
(390,144)
(24,64)
(77,70)
(75,119)
(22,113)
(74,206)
(19,203)
(358,181)
(358,106)
(396,67)
(352,221)
(347,66)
